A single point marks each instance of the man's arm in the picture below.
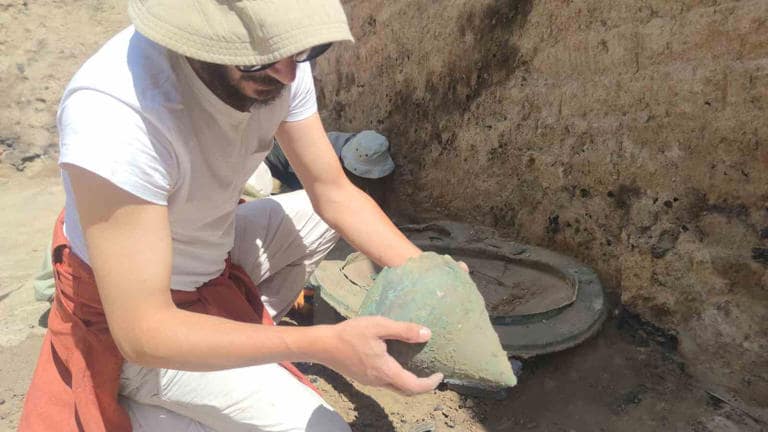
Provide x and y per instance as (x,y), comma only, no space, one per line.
(347,209)
(129,244)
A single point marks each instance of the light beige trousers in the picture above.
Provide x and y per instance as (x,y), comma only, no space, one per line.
(279,241)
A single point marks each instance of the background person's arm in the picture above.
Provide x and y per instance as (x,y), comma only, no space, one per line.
(347,209)
(129,245)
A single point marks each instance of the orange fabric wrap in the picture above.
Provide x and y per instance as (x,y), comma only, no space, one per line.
(75,384)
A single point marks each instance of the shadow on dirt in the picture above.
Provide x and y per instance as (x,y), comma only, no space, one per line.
(374,413)
(43,320)
(628,377)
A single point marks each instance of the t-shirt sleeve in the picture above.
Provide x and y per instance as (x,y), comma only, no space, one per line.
(109,138)
(303,98)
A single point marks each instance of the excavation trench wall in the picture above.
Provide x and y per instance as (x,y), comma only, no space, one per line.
(630,134)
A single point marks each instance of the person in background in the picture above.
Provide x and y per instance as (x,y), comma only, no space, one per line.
(364,157)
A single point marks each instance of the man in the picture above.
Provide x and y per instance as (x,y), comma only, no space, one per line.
(364,155)
(166,289)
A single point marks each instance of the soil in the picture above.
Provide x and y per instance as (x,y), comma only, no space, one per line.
(618,381)
(631,376)
(31,201)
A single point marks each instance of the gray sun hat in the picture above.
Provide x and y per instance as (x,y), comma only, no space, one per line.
(366,154)
(240,32)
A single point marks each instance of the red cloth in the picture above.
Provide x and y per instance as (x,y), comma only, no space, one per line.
(76,381)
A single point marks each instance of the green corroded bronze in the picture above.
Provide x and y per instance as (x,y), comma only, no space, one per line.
(434,291)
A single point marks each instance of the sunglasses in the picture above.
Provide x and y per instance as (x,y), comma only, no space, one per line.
(304,56)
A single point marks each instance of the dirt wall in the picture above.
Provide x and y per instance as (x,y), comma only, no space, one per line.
(631,134)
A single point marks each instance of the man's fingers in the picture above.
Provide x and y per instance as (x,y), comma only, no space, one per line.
(407,383)
(463,266)
(404,331)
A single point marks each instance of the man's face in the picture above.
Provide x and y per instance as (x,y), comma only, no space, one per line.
(267,85)
(241,90)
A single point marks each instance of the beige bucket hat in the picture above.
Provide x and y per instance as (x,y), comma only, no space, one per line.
(240,32)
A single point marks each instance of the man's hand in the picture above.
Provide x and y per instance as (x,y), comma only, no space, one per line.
(463,266)
(359,351)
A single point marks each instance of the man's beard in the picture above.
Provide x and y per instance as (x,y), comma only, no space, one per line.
(273,88)
(216,78)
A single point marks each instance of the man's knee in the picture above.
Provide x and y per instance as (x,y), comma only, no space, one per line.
(265,398)
(326,420)
(148,418)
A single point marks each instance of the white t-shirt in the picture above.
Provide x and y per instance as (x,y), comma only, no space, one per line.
(137,115)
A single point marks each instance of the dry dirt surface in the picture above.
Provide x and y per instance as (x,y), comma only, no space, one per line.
(629,378)
(30,202)
(42,44)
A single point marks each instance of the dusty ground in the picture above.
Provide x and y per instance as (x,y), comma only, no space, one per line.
(628,378)
(30,202)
